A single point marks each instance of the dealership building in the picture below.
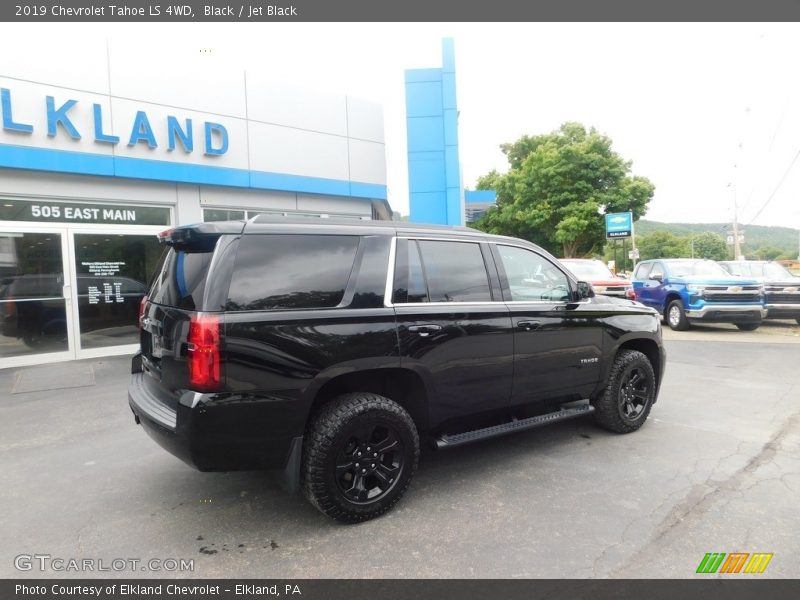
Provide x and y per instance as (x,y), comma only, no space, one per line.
(94,161)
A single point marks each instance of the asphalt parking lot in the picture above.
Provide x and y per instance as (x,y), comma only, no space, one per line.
(716,469)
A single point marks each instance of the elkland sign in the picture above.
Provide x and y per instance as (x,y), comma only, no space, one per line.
(174,132)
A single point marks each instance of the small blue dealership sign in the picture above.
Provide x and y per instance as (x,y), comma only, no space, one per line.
(619,225)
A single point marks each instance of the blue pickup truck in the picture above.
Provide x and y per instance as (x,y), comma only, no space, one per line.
(687,290)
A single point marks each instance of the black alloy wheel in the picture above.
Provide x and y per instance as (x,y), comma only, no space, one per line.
(634,394)
(370,463)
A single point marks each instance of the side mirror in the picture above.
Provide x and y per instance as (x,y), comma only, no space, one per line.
(585,290)
(658,278)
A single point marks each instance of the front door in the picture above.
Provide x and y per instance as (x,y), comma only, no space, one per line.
(557,343)
(35,296)
(451,328)
(652,291)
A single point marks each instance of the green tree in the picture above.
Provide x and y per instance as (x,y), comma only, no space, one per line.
(709,245)
(554,187)
(662,244)
(767,253)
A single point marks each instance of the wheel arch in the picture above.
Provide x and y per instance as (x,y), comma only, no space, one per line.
(650,348)
(671,295)
(404,386)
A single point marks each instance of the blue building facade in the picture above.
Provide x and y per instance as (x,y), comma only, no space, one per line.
(434,173)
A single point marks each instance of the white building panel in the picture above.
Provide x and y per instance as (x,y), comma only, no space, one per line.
(181,78)
(367,162)
(365,119)
(273,103)
(291,151)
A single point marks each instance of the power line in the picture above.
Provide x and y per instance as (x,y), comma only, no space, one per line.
(777,187)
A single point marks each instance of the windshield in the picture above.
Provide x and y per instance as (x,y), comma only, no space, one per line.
(589,269)
(760,269)
(698,268)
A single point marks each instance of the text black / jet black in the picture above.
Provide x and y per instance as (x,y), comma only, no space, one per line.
(331,349)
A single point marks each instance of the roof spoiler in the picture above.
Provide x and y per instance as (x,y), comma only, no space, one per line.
(201,237)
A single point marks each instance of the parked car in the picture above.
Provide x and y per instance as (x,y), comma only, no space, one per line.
(600,276)
(686,290)
(289,345)
(781,288)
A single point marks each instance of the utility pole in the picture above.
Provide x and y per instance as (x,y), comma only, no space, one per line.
(737,250)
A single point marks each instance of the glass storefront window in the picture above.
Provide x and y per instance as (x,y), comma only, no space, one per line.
(33,313)
(112,276)
(222,214)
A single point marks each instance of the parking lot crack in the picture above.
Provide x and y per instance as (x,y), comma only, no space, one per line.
(702,496)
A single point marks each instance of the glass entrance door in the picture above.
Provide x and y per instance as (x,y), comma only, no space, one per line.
(35,296)
(111,273)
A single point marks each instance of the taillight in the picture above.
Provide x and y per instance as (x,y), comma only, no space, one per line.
(204,364)
(142,306)
(630,294)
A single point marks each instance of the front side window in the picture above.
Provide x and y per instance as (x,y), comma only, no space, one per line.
(286,272)
(643,271)
(455,272)
(657,272)
(533,278)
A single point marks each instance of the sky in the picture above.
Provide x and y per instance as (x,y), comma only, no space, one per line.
(710,113)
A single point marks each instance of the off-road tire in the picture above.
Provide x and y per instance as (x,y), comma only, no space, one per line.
(328,433)
(682,323)
(748,326)
(608,404)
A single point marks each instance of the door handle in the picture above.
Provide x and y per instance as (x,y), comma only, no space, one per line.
(424,330)
(529,325)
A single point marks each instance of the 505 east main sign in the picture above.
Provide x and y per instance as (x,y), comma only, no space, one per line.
(175,132)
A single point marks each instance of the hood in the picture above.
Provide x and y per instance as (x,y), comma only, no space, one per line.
(732,280)
(785,281)
(616,281)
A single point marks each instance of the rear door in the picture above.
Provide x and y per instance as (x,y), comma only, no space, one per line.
(557,342)
(453,326)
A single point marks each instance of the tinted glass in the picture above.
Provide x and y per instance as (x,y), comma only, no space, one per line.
(657,271)
(643,271)
(180,279)
(455,272)
(588,269)
(698,268)
(291,271)
(112,274)
(33,316)
(417,290)
(532,277)
(222,214)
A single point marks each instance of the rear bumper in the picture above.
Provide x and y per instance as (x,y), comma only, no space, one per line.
(212,432)
(728,313)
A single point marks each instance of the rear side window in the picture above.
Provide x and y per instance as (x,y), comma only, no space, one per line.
(180,278)
(455,272)
(285,272)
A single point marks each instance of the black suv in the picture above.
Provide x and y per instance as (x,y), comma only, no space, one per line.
(329,350)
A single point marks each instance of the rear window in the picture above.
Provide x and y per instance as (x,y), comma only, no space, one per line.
(455,272)
(180,278)
(285,272)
